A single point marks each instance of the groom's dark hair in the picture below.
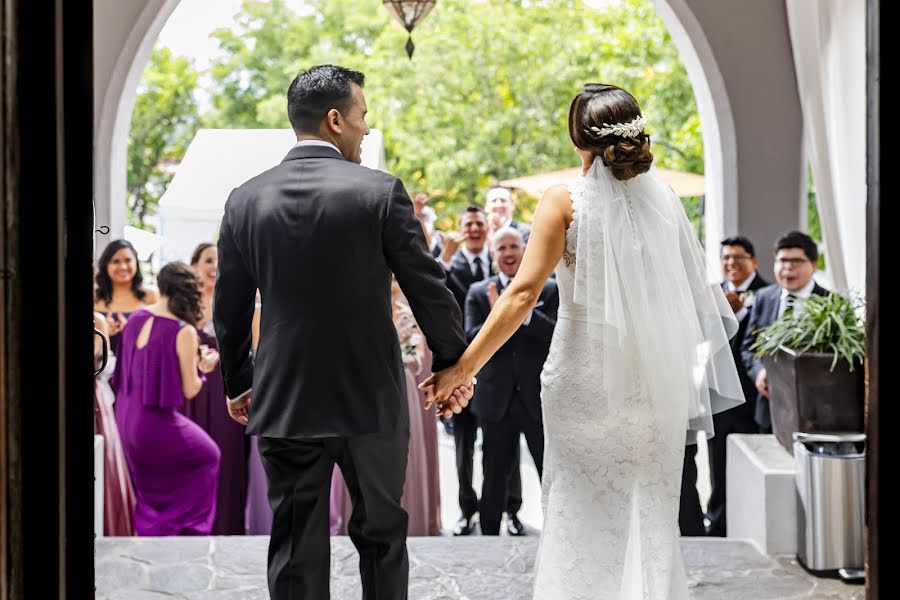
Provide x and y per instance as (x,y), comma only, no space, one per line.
(317,90)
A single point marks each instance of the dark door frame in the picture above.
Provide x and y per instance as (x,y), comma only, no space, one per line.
(47,189)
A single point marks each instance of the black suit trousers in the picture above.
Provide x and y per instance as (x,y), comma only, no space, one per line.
(299,476)
(501,461)
(690,513)
(725,423)
(465,432)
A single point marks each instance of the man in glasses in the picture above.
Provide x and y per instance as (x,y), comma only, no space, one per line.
(742,281)
(796,257)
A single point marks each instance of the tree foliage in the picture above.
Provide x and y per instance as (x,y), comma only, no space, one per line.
(486,94)
(164,121)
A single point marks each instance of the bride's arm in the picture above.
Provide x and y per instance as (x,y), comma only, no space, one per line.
(545,248)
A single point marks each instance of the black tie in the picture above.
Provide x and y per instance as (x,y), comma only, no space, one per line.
(789,303)
(479,272)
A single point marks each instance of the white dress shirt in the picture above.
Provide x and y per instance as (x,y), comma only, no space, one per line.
(743,287)
(804,292)
(303,143)
(485,257)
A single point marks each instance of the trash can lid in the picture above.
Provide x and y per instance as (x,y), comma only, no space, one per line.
(831,436)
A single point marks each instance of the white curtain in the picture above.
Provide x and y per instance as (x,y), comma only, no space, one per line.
(829,43)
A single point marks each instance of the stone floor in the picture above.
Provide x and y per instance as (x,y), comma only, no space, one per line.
(441,568)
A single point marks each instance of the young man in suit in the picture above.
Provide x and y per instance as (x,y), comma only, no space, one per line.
(327,381)
(508,400)
(467,260)
(796,257)
(742,281)
(739,265)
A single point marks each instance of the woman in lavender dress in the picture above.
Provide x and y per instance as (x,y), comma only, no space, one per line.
(174,464)
(208,410)
(421,492)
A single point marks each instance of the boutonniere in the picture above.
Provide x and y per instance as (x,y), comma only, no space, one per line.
(749,296)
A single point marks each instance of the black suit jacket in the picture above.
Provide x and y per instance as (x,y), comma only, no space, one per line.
(460,278)
(764,312)
(516,367)
(319,236)
(737,345)
(523,228)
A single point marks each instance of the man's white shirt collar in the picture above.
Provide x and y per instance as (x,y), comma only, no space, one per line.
(303,143)
(484,256)
(804,292)
(744,286)
(504,280)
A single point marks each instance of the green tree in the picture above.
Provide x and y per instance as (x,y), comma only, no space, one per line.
(486,94)
(164,120)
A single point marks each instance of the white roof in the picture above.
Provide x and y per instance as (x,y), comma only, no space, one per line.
(219,160)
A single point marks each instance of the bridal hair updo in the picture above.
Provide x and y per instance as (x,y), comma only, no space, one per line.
(180,284)
(599,106)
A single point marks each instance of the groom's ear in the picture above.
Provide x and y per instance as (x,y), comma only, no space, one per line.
(334,121)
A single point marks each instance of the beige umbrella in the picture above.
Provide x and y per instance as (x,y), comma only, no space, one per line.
(684,184)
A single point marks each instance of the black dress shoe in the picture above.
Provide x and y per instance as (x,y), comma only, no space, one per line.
(514,525)
(465,525)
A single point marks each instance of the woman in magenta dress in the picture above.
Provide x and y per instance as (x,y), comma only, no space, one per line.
(208,411)
(174,464)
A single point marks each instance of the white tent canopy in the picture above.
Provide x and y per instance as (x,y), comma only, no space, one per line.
(216,162)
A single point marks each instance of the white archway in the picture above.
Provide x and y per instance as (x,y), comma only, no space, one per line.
(132,49)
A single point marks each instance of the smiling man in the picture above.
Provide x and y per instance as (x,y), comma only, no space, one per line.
(796,257)
(508,399)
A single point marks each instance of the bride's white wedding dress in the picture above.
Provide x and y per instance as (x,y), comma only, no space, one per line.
(639,357)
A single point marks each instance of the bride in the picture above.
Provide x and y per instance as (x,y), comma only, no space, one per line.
(639,361)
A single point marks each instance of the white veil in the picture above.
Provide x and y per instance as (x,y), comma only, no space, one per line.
(640,276)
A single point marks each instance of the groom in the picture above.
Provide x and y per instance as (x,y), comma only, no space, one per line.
(327,382)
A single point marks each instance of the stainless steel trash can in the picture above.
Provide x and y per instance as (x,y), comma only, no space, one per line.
(831,502)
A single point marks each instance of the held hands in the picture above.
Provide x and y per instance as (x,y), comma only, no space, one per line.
(239,410)
(451,389)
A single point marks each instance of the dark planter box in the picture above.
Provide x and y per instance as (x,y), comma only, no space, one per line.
(804,395)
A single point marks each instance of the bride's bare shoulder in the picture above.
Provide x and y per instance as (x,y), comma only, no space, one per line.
(557,200)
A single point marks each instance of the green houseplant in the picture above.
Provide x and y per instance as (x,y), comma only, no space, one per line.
(813,357)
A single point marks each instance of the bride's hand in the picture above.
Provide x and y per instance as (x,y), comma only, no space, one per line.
(451,389)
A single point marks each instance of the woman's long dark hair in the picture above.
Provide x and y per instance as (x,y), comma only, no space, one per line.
(104,283)
(180,284)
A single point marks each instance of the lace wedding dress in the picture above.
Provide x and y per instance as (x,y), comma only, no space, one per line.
(639,357)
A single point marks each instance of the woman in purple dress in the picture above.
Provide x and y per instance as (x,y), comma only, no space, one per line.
(174,464)
(208,410)
(119,288)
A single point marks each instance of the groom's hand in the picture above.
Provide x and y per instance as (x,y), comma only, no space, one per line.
(239,410)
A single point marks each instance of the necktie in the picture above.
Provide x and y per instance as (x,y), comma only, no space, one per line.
(479,272)
(789,303)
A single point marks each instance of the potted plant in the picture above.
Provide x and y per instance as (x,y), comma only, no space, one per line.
(813,357)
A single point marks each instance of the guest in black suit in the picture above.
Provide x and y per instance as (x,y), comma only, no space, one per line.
(328,384)
(467,260)
(508,399)
(742,281)
(500,206)
(796,257)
